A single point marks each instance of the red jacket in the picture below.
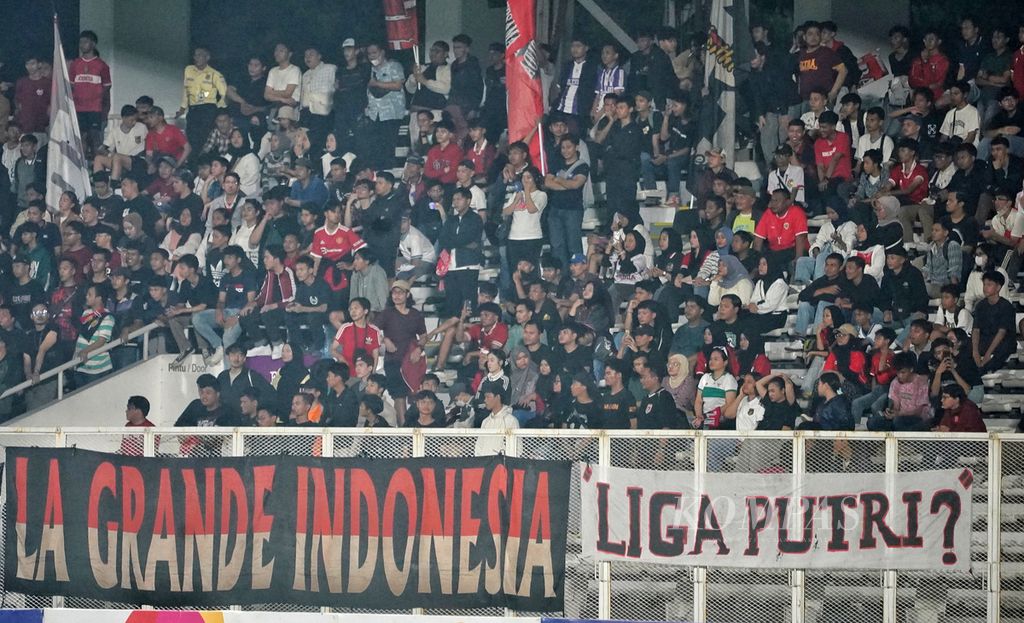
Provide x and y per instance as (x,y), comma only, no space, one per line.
(278,289)
(442,162)
(966,419)
(924,73)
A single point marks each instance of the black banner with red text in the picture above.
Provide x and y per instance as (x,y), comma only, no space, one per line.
(359,533)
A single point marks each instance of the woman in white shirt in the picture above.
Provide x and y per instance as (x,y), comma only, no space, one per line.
(525,236)
(245,163)
(252,212)
(767,304)
(630,266)
(837,235)
(871,252)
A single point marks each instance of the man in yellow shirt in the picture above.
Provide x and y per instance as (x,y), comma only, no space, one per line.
(205,91)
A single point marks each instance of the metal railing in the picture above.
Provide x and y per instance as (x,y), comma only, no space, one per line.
(993,590)
(75,362)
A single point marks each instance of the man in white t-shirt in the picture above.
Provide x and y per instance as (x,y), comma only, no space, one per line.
(416,256)
(124,141)
(962,121)
(464,179)
(283,81)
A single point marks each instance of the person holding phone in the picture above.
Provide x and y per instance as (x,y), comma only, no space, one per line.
(908,407)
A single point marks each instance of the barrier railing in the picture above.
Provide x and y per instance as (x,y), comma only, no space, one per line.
(74,363)
(993,589)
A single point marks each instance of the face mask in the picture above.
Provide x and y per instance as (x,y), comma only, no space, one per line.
(377,62)
(979,261)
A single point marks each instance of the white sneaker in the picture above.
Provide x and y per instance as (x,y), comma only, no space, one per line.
(275,353)
(259,351)
(215,357)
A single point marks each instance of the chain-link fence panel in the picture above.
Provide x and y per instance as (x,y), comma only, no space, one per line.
(949,595)
(642,591)
(581,594)
(373,445)
(837,595)
(1011,521)
(123,441)
(473,443)
(211,444)
(273,445)
(734,593)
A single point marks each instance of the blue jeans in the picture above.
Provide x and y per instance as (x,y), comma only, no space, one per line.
(675,167)
(205,323)
(808,314)
(873,401)
(810,268)
(647,179)
(879,423)
(565,228)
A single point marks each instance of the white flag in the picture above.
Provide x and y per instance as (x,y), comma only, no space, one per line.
(66,168)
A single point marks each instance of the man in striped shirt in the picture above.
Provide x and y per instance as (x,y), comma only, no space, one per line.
(277,292)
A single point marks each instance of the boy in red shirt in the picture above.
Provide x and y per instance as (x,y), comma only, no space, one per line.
(832,153)
(881,371)
(443,158)
(90,88)
(908,182)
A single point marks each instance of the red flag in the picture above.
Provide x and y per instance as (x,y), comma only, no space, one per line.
(522,78)
(402,24)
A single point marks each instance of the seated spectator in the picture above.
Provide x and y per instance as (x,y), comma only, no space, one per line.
(902,291)
(835,414)
(657,409)
(263,318)
(786,174)
(416,256)
(778,399)
(944,261)
(984,262)
(716,390)
(962,123)
(825,334)
(357,335)
(11,374)
(298,414)
(618,408)
(888,231)
(781,234)
(907,407)
(768,304)
(341,406)
(208,409)
(238,377)
(293,373)
(994,337)
(820,294)
(950,314)
(881,372)
(750,355)
(959,414)
(835,236)
(238,289)
(689,337)
(731,278)
(96,327)
(1006,124)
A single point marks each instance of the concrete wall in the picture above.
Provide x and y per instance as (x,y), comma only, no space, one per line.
(168,388)
(850,17)
(447,18)
(146,53)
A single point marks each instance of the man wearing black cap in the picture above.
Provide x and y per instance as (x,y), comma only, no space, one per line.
(618,409)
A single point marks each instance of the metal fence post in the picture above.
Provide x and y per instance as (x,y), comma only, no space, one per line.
(798,577)
(995,528)
(890,577)
(604,569)
(700,574)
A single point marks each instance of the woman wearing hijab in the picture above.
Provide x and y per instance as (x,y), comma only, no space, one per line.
(294,371)
(670,243)
(681,385)
(732,278)
(868,248)
(714,338)
(133,232)
(837,235)
(245,163)
(630,266)
(723,241)
(523,390)
(889,231)
(252,213)
(767,306)
(184,234)
(750,355)
(848,359)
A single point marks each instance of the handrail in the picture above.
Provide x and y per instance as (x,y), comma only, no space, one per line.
(75,362)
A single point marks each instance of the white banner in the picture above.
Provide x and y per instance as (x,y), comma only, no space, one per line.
(66,168)
(915,520)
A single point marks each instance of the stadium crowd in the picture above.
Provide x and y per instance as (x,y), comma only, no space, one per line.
(279,225)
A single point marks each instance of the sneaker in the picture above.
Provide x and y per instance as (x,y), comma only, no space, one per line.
(259,351)
(275,352)
(215,357)
(184,354)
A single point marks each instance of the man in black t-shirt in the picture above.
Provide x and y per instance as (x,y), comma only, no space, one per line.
(572,357)
(309,307)
(538,351)
(657,409)
(618,409)
(994,337)
(196,293)
(584,412)
(565,201)
(207,410)
(778,397)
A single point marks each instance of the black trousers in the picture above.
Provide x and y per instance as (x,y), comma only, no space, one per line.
(620,192)
(273,323)
(199,124)
(460,287)
(313,333)
(378,140)
(318,126)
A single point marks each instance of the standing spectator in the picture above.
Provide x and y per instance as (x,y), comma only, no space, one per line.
(565,195)
(444,157)
(467,85)
(283,82)
(277,291)
(622,158)
(525,237)
(430,84)
(350,96)
(204,92)
(316,96)
(903,296)
(908,182)
(369,280)
(382,222)
(994,74)
(32,98)
(611,79)
(90,88)
(96,327)
(306,314)
(385,108)
(494,111)
(650,69)
(970,49)
(994,337)
(772,93)
(246,102)
(576,87)
(460,239)
(819,67)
